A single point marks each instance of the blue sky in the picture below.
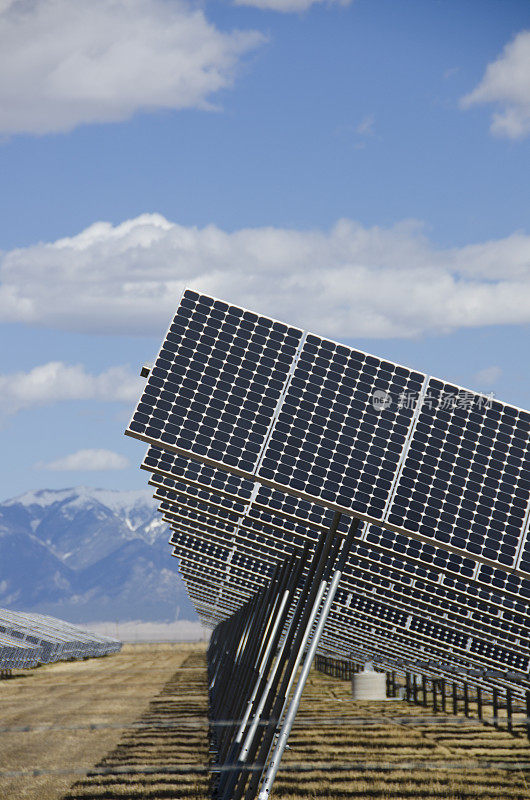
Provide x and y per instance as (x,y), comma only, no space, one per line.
(360,169)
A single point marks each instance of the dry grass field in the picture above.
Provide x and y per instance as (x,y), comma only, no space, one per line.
(393,750)
(59,720)
(134,726)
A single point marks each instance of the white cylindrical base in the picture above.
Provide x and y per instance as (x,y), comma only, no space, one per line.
(369,686)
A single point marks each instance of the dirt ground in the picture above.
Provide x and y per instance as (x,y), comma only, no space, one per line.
(61,719)
(134,727)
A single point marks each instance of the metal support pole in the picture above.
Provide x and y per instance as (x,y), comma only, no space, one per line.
(295,702)
(293,644)
(334,550)
(495,703)
(415,689)
(479,702)
(434,700)
(442,693)
(407,686)
(455,698)
(509,710)
(424,690)
(466,700)
(263,685)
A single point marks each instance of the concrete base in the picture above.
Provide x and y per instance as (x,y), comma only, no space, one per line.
(369,686)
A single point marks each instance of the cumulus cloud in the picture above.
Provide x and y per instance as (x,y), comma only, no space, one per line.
(287,6)
(68,62)
(56,381)
(346,282)
(506,83)
(87,460)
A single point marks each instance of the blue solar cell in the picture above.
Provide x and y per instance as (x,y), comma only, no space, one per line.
(473,489)
(329,442)
(220,391)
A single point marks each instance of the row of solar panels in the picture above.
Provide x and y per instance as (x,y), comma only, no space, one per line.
(416,599)
(410,597)
(342,428)
(27,640)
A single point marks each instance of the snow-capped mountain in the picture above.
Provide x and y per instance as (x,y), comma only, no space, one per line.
(89,554)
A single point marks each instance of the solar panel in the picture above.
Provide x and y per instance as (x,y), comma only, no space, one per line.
(364,645)
(270,506)
(329,443)
(259,432)
(465,480)
(47,639)
(339,427)
(412,607)
(217,381)
(432,598)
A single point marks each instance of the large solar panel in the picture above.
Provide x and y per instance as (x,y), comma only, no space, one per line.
(259,433)
(44,639)
(256,397)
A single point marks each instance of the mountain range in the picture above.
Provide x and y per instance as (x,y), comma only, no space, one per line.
(89,554)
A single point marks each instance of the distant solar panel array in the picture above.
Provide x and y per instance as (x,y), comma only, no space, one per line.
(30,639)
(262,438)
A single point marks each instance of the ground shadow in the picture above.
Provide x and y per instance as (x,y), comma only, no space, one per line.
(165,753)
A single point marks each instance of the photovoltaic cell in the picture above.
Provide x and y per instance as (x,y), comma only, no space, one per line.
(214,388)
(465,481)
(329,442)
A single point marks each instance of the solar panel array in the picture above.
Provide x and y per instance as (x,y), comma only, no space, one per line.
(30,639)
(258,432)
(297,412)
(428,612)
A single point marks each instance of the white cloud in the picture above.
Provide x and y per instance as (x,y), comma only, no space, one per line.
(488,376)
(87,460)
(287,6)
(55,381)
(506,82)
(68,62)
(346,282)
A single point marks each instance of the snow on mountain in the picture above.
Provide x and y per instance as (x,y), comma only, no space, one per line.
(87,554)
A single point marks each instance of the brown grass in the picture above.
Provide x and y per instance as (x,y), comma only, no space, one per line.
(435,756)
(74,713)
(154,697)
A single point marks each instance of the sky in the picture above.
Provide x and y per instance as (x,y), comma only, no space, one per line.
(359,169)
